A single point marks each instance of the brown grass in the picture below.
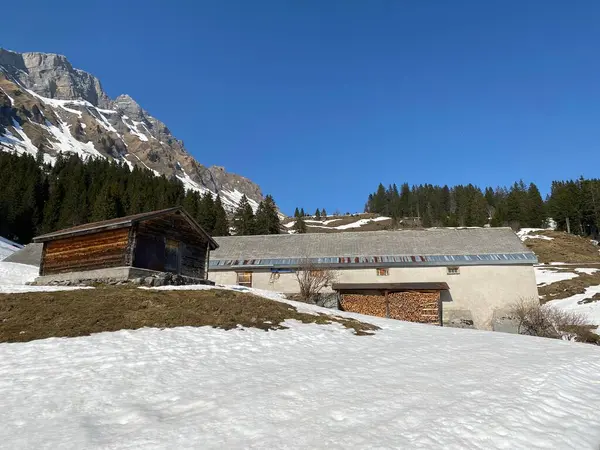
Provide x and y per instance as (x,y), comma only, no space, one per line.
(564,248)
(29,316)
(567,288)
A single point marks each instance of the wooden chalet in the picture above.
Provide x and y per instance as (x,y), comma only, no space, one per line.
(163,241)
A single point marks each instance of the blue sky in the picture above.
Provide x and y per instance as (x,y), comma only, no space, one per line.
(320,100)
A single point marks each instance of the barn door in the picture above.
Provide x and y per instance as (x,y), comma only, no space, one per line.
(172,256)
(148,253)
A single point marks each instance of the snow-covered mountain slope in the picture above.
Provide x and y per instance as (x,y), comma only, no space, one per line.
(7,248)
(309,386)
(332,224)
(47,104)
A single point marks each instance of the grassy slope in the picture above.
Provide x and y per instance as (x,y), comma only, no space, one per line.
(571,249)
(564,247)
(30,316)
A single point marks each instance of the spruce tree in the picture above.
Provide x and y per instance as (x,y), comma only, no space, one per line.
(206,212)
(221,227)
(317,214)
(297,212)
(324,213)
(300,225)
(302,213)
(243,218)
(267,218)
(535,210)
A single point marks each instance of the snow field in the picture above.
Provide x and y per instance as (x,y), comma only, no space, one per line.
(311,386)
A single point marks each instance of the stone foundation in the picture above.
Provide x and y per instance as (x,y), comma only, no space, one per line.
(118,276)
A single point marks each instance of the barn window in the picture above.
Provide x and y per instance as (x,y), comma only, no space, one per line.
(244,279)
(384,272)
(453,270)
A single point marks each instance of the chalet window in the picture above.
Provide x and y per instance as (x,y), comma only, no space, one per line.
(383,272)
(453,270)
(244,279)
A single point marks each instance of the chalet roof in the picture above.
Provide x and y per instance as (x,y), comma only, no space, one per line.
(122,222)
(436,246)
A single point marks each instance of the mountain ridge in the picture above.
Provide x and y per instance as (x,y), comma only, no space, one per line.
(47,104)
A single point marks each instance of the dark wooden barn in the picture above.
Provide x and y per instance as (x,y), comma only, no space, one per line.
(164,241)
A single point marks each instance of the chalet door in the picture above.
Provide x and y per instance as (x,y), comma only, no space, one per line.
(172,256)
(149,253)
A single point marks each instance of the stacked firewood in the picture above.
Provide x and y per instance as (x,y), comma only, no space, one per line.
(410,306)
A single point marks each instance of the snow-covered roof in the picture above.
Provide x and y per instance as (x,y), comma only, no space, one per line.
(438,246)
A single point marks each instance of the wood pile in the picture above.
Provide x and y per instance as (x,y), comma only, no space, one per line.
(411,306)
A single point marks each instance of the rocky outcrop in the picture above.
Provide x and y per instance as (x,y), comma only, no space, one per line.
(47,104)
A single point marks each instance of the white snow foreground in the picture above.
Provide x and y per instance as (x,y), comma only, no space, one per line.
(310,386)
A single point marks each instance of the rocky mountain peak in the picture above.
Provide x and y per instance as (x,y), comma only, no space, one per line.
(47,104)
(53,76)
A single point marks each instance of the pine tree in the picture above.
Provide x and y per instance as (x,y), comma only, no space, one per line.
(379,200)
(221,227)
(243,218)
(267,217)
(297,212)
(324,213)
(206,212)
(300,225)
(302,213)
(535,210)
(317,214)
(105,205)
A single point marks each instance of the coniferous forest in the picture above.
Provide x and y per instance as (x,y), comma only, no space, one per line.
(36,198)
(518,206)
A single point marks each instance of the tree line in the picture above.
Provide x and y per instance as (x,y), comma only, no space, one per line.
(37,198)
(265,221)
(517,206)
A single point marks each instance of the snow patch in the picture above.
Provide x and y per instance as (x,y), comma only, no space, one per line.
(526,233)
(14,278)
(545,277)
(575,304)
(7,248)
(12,101)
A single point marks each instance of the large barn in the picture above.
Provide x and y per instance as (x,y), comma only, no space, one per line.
(140,245)
(449,275)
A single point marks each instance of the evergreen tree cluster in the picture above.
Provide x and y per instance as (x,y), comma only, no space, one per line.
(37,198)
(579,201)
(319,213)
(265,221)
(461,205)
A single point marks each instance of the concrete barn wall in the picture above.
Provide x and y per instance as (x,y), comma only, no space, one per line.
(482,292)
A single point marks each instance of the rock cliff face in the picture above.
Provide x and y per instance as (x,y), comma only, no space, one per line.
(47,104)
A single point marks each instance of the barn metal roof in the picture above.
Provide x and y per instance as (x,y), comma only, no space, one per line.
(121,222)
(437,246)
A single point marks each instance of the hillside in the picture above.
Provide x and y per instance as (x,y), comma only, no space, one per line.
(48,105)
(557,246)
(340,223)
